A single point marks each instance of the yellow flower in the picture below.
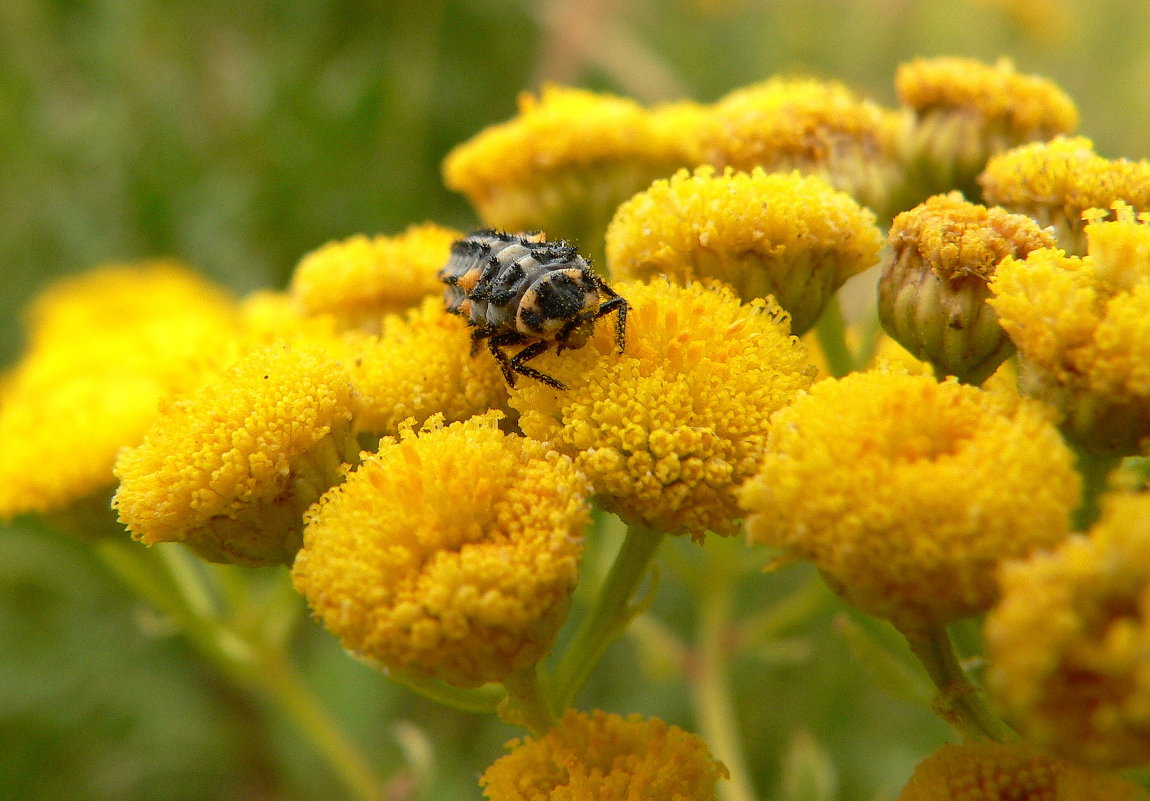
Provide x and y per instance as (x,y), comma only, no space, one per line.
(420,365)
(815,127)
(905,492)
(1056,182)
(965,111)
(230,469)
(605,757)
(567,160)
(997,772)
(668,430)
(933,289)
(104,348)
(1082,327)
(1068,642)
(360,279)
(781,234)
(450,554)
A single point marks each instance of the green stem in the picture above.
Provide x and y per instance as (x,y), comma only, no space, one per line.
(609,617)
(831,333)
(1094,469)
(526,704)
(959,701)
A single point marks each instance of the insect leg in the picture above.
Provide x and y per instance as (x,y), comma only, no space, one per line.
(518,363)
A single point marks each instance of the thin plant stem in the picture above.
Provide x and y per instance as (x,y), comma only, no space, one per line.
(1094,469)
(527,704)
(831,333)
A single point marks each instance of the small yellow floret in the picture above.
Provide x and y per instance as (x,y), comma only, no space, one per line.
(450,554)
(1068,642)
(605,757)
(781,234)
(905,492)
(997,772)
(230,469)
(667,431)
(360,279)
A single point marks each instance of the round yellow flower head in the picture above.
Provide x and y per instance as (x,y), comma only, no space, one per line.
(1057,182)
(668,430)
(815,127)
(605,757)
(360,279)
(933,289)
(104,348)
(420,365)
(567,160)
(230,470)
(450,554)
(965,111)
(1068,642)
(905,492)
(1082,328)
(779,234)
(997,772)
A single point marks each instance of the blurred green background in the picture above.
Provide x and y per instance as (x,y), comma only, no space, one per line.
(239,136)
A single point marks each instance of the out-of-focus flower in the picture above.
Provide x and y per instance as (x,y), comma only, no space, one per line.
(230,469)
(997,772)
(905,492)
(450,554)
(668,430)
(933,289)
(1082,328)
(1057,182)
(103,349)
(568,159)
(779,234)
(605,757)
(1068,642)
(360,279)
(816,127)
(420,365)
(965,111)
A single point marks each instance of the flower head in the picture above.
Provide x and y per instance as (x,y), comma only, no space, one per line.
(1082,328)
(605,757)
(966,111)
(815,127)
(996,772)
(933,290)
(781,234)
(360,279)
(668,430)
(904,492)
(450,554)
(230,469)
(1068,642)
(567,160)
(104,348)
(1057,182)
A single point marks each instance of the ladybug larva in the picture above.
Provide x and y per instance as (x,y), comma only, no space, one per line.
(518,289)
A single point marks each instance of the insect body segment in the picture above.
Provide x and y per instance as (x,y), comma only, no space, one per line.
(517,289)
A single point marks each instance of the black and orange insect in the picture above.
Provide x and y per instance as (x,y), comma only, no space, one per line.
(518,289)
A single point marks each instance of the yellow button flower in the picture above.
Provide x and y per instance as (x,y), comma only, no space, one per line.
(996,772)
(782,234)
(450,554)
(230,469)
(965,111)
(667,431)
(1082,328)
(104,348)
(906,493)
(605,757)
(1057,182)
(1068,642)
(933,289)
(567,160)
(420,365)
(815,127)
(362,278)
